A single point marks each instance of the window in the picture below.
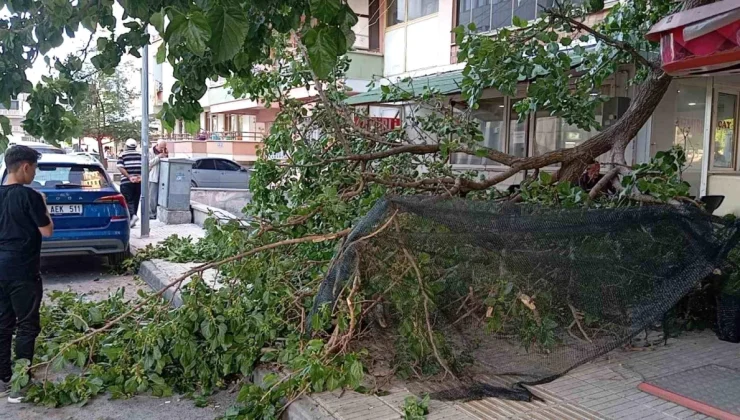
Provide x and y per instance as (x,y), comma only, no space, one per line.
(225,165)
(725,131)
(400,11)
(492,126)
(15,105)
(553,133)
(488,15)
(58,176)
(205,164)
(518,133)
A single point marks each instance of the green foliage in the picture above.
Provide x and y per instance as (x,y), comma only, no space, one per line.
(660,178)
(103,112)
(202,40)
(415,409)
(545,51)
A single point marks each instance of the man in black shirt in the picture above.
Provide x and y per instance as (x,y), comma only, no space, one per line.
(24,219)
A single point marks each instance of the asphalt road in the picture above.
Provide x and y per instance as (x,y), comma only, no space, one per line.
(91,277)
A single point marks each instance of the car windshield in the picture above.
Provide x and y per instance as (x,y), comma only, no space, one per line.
(69,176)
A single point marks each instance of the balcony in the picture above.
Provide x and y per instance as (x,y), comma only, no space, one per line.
(248,136)
(239,146)
(12,112)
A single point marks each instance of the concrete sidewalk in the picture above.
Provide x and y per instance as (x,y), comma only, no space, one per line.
(159,231)
(603,389)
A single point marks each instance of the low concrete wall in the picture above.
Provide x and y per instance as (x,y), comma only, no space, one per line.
(202,212)
(233,201)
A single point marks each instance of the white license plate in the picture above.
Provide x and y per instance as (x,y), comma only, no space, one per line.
(65,209)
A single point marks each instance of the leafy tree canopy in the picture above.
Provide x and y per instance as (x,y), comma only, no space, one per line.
(203,39)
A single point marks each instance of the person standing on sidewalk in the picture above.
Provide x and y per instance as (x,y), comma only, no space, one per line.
(159,152)
(129,163)
(24,219)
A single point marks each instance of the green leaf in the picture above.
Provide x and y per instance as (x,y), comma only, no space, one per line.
(242,61)
(323,49)
(566,41)
(192,127)
(519,22)
(325,10)
(161,53)
(192,30)
(136,8)
(229,28)
(157,20)
(545,178)
(5,124)
(95,315)
(356,371)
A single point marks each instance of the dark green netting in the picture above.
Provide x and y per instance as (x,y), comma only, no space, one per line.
(509,281)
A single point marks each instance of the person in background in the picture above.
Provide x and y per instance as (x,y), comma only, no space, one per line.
(129,164)
(24,219)
(159,152)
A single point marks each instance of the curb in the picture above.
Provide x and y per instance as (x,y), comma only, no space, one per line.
(304,408)
(158,280)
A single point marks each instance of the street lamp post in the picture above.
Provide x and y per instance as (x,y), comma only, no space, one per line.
(145,142)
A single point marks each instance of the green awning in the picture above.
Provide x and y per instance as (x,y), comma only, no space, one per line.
(445,83)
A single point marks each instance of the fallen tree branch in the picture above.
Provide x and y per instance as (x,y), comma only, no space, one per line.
(603,182)
(430,332)
(576,319)
(197,270)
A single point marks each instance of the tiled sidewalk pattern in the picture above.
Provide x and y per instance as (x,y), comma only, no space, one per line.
(605,389)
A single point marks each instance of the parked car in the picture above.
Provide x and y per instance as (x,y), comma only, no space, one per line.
(92,157)
(219,173)
(90,216)
(43,148)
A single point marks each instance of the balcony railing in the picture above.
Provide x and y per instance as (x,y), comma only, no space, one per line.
(213,136)
(12,112)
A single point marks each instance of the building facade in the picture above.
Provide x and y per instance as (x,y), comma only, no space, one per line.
(233,128)
(697,113)
(16,113)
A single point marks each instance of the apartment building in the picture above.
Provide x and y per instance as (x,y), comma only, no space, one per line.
(233,128)
(399,39)
(698,113)
(16,113)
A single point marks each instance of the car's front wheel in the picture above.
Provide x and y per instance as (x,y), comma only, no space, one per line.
(114,260)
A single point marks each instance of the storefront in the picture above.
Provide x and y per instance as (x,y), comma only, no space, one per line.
(700,114)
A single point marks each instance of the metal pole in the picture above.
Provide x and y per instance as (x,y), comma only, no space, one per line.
(145,142)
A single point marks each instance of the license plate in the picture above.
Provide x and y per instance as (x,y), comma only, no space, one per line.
(65,209)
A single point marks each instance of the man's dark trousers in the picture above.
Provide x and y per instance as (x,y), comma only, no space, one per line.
(132,192)
(20,301)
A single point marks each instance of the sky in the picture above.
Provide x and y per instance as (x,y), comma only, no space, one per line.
(74,45)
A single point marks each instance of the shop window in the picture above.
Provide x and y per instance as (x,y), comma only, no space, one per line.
(725,130)
(553,133)
(689,134)
(518,133)
(491,116)
(400,11)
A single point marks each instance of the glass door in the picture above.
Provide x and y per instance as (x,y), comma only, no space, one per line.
(724,129)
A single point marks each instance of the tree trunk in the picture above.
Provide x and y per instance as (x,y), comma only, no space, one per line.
(101,155)
(617,137)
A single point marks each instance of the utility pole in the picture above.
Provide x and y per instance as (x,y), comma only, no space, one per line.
(145,142)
